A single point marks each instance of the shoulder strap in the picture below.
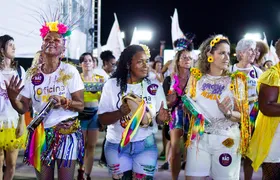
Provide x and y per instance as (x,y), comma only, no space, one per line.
(255,72)
(19,71)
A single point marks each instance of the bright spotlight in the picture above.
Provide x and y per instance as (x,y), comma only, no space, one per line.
(144,35)
(253,36)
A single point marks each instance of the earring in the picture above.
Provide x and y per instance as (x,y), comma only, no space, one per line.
(210,59)
(128,75)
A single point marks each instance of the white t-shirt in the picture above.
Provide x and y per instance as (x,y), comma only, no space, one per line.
(41,86)
(207,89)
(101,72)
(111,101)
(253,74)
(8,115)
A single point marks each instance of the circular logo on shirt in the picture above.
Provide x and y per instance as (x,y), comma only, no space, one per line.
(225,159)
(252,74)
(39,91)
(37,79)
(152,89)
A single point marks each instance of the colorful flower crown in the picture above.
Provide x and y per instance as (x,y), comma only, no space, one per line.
(146,50)
(55,27)
(217,39)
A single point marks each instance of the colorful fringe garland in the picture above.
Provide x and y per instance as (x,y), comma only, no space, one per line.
(254,114)
(133,125)
(197,119)
(44,145)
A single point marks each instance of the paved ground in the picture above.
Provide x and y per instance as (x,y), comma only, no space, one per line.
(99,173)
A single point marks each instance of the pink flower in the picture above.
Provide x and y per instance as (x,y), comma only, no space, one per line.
(44,31)
(62,29)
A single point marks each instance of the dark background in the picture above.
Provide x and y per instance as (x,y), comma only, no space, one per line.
(232,18)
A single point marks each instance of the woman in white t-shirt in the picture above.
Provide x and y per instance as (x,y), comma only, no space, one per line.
(59,138)
(137,156)
(246,55)
(12,126)
(215,148)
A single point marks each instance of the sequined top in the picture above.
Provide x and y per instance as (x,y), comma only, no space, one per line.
(209,88)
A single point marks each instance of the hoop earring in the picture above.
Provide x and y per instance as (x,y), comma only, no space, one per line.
(210,59)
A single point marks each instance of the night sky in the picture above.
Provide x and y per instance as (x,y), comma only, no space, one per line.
(202,17)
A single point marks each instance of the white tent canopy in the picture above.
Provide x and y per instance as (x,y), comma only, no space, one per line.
(19,19)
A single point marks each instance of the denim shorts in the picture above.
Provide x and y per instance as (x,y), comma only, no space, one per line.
(90,124)
(179,119)
(139,156)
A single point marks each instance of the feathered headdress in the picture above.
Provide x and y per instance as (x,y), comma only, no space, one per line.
(58,22)
(183,43)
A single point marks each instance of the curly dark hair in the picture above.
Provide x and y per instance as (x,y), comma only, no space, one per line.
(203,64)
(106,56)
(123,69)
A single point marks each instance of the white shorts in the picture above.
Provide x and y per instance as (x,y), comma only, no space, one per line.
(274,152)
(209,157)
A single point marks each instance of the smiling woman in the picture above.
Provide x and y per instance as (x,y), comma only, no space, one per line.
(130,142)
(60,131)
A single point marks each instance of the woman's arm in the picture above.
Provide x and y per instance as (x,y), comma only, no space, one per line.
(268,97)
(112,117)
(21,104)
(77,103)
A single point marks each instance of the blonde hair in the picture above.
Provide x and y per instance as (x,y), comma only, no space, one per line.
(176,62)
(36,58)
(203,64)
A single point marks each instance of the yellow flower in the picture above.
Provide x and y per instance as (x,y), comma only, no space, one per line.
(199,75)
(210,59)
(231,87)
(194,72)
(217,40)
(53,26)
(212,43)
(146,50)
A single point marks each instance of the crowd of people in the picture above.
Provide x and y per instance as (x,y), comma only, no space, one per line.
(224,113)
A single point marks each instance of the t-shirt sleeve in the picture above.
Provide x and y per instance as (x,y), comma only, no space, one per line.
(26,91)
(75,83)
(105,103)
(270,77)
(160,97)
(23,75)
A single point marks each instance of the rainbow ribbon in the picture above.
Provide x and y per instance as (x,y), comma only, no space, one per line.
(254,114)
(198,128)
(133,125)
(37,146)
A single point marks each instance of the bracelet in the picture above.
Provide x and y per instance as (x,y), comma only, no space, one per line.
(228,115)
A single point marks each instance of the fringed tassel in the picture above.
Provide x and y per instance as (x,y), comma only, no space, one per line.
(253,115)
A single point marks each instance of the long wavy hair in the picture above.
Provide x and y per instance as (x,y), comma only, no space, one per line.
(123,70)
(178,54)
(203,64)
(3,43)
